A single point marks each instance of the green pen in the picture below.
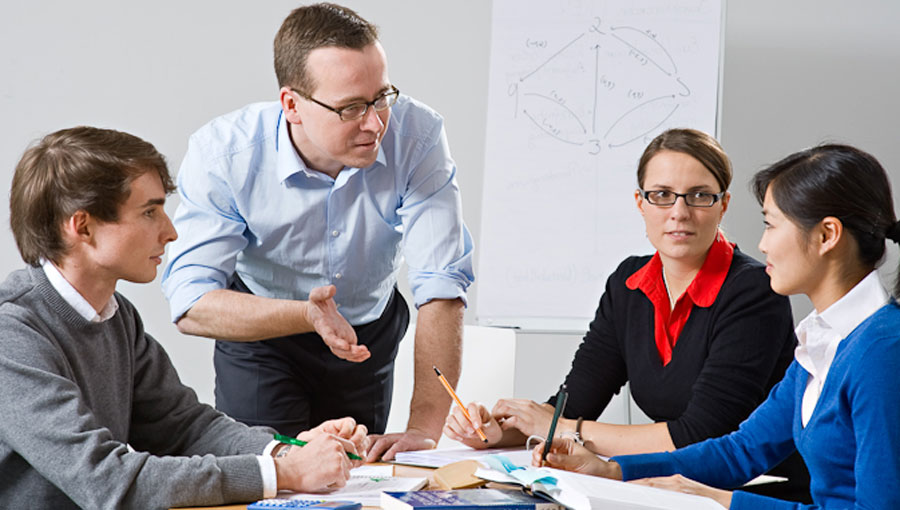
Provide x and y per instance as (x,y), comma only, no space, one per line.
(299,442)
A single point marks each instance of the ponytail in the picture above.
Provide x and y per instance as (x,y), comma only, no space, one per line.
(893,232)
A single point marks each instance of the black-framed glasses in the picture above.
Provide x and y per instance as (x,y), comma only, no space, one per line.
(666,198)
(356,111)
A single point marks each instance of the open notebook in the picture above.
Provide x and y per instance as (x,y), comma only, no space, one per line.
(583,492)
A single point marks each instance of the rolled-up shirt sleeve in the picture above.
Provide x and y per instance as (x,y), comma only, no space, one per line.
(251,206)
(436,243)
(210,233)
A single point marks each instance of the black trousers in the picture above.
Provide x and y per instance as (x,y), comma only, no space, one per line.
(295,382)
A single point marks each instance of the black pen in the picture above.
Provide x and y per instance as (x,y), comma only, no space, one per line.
(561,397)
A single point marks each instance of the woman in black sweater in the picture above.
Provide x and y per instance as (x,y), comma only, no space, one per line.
(695,328)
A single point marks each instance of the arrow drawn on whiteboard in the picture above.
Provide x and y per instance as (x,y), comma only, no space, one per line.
(687,90)
(596,73)
(648,131)
(551,58)
(551,133)
(638,107)
(564,107)
(673,69)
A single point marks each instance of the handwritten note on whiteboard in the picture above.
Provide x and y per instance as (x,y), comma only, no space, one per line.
(577,88)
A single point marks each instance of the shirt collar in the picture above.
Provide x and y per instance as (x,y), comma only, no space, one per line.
(289,162)
(864,299)
(848,312)
(819,334)
(649,279)
(75,299)
(706,285)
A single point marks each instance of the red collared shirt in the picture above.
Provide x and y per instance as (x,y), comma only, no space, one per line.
(703,290)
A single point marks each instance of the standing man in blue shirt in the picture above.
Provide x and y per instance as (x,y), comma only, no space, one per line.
(291,223)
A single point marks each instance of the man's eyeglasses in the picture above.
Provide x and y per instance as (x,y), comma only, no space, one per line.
(665,198)
(357,111)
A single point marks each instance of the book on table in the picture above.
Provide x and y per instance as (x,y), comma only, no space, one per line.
(466,499)
(571,490)
(583,492)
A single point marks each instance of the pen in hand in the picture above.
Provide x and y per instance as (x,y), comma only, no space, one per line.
(299,442)
(561,396)
(459,402)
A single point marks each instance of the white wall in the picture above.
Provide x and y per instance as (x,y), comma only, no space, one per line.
(802,72)
(796,73)
(488,372)
(162,69)
(501,363)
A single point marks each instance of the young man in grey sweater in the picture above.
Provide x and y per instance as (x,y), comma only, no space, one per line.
(92,413)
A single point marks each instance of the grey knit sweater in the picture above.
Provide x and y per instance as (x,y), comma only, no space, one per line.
(74,394)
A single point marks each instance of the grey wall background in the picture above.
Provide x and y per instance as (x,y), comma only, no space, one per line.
(795,74)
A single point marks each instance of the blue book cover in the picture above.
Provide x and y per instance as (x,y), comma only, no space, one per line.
(465,499)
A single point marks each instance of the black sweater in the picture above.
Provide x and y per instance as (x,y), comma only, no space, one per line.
(726,359)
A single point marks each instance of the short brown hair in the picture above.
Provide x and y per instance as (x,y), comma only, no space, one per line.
(697,144)
(316,26)
(78,169)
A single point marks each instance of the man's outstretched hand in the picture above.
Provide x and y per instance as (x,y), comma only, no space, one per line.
(336,332)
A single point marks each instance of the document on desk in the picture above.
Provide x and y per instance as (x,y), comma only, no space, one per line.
(365,486)
(583,492)
(440,458)
(608,494)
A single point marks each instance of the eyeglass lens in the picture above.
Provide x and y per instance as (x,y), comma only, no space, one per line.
(696,199)
(356,111)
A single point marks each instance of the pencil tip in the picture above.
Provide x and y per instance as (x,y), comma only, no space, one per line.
(436,371)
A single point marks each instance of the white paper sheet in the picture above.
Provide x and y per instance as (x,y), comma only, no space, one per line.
(440,458)
(606,494)
(365,486)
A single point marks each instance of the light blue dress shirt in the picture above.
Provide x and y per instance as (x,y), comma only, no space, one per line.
(250,206)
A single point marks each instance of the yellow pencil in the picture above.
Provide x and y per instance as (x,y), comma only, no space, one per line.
(458,402)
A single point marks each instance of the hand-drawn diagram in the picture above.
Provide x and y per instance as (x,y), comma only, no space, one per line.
(576,90)
(620,85)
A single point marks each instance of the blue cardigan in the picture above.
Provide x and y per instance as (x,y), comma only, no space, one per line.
(851,444)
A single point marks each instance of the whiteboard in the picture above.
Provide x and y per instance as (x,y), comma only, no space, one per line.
(577,89)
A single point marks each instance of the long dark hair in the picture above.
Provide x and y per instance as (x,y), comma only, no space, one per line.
(839,181)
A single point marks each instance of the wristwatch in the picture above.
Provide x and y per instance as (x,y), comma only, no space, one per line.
(578,438)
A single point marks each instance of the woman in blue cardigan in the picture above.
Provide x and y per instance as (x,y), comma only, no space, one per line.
(828,211)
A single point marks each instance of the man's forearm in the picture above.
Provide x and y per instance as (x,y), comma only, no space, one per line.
(439,329)
(229,315)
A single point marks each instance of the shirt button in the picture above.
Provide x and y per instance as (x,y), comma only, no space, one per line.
(337,276)
(335,233)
